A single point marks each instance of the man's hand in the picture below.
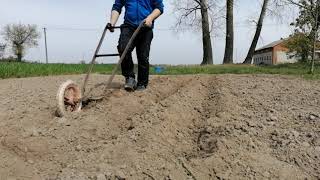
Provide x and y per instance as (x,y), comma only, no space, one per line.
(113,20)
(153,16)
(148,21)
(110,27)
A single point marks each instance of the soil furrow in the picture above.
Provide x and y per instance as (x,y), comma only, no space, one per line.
(182,127)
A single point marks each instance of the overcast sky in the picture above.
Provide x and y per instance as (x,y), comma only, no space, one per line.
(74,28)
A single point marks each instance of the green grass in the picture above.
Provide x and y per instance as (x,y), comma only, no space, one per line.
(297,69)
(18,70)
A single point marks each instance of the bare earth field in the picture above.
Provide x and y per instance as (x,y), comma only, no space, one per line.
(182,127)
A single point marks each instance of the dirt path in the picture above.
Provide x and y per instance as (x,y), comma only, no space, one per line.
(182,127)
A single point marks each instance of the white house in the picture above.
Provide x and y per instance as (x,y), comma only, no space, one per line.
(273,53)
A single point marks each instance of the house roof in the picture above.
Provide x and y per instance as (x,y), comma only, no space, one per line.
(271,45)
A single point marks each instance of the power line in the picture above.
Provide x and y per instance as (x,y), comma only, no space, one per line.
(65,28)
(73,29)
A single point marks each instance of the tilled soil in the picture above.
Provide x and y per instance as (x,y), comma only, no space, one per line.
(182,127)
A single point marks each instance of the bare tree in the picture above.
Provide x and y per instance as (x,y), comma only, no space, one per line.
(228,54)
(21,37)
(195,13)
(254,42)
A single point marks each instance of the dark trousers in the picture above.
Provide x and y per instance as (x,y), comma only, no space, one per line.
(142,44)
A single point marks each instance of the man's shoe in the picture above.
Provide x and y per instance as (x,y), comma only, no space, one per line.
(130,84)
(141,88)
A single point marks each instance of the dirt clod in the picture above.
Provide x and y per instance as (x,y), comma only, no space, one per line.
(101,177)
(312,117)
(273,118)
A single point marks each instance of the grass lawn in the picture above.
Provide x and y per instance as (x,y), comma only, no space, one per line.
(18,70)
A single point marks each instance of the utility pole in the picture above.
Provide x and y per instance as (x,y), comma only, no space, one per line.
(315,37)
(45,41)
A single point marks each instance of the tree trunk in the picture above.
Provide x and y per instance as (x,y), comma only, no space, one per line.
(315,37)
(207,46)
(228,53)
(18,48)
(19,57)
(254,43)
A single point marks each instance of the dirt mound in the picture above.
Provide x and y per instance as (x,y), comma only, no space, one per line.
(182,127)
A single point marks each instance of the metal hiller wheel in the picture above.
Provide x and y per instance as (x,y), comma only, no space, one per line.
(69,98)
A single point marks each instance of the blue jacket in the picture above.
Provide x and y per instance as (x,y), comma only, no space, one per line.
(137,10)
